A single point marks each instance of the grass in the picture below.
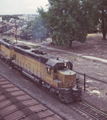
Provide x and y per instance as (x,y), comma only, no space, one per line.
(72,56)
(94,34)
(36,46)
(51,50)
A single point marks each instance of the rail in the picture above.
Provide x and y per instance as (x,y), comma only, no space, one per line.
(92,78)
(57,76)
(90,110)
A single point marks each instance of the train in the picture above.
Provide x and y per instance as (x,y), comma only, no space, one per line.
(50,72)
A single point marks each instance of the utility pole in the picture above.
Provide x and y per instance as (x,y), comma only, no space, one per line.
(2,29)
(84,81)
(16,32)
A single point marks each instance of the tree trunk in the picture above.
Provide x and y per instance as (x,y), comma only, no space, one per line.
(104,34)
(103,26)
(70,44)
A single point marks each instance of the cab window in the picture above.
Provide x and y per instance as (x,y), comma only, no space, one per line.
(48,70)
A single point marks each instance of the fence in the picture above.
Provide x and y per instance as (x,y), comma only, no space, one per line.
(85,79)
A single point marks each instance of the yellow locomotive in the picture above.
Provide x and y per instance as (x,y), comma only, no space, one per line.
(6,50)
(50,72)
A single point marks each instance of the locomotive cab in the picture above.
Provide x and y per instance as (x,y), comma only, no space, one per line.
(6,51)
(65,79)
(49,72)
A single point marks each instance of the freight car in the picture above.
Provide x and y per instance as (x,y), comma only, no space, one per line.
(52,73)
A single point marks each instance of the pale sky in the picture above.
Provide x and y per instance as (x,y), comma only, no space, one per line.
(8,7)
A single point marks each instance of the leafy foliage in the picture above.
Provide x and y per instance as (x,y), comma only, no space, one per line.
(102,11)
(69,20)
(7,17)
(37,29)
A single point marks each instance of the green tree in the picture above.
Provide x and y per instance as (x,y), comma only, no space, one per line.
(8,17)
(69,20)
(102,10)
(37,29)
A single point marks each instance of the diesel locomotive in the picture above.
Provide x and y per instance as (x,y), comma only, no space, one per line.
(52,73)
(6,50)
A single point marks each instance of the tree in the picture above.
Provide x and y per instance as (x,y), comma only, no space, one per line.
(102,10)
(36,28)
(39,30)
(8,17)
(69,20)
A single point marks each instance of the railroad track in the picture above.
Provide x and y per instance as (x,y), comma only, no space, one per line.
(9,92)
(15,104)
(90,110)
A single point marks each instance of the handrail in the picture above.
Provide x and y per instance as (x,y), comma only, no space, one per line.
(58,75)
(91,77)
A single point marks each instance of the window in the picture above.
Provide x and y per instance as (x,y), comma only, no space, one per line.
(68,67)
(65,64)
(55,70)
(48,70)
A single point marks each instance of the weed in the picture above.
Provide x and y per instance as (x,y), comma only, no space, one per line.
(35,46)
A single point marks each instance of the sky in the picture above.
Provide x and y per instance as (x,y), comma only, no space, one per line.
(10,7)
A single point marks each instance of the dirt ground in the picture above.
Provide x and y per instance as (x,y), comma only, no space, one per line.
(94,46)
(96,92)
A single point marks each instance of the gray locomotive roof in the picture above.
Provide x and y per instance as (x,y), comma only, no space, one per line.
(51,61)
(32,53)
(23,50)
(54,61)
(8,45)
(67,72)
